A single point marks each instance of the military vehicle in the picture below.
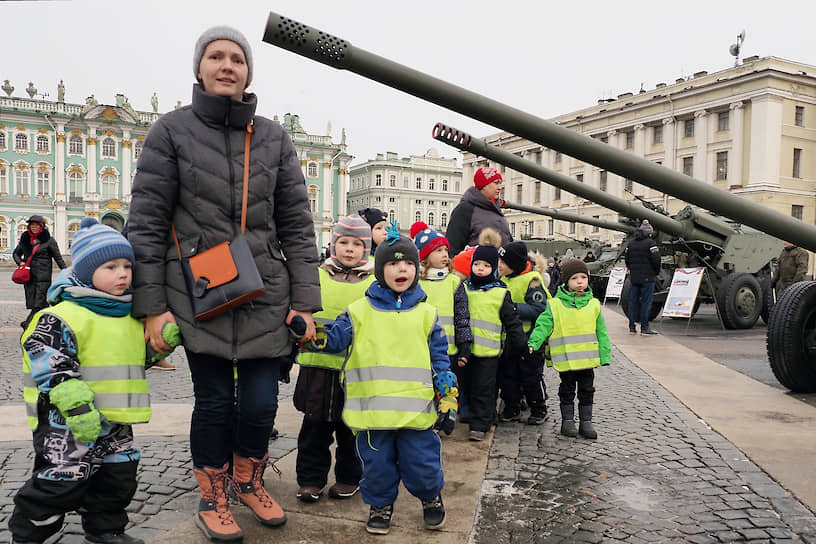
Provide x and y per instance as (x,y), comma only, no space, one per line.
(737,258)
(792,328)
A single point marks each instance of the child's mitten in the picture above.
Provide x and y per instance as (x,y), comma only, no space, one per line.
(170,334)
(74,400)
(447,404)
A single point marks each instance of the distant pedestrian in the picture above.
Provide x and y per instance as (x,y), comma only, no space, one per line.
(642,258)
(378,221)
(791,267)
(478,209)
(590,257)
(579,342)
(555,275)
(37,240)
(83,392)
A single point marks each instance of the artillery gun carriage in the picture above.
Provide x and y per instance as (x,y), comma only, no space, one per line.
(792,328)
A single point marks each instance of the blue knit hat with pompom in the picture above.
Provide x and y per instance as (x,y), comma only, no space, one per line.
(93,246)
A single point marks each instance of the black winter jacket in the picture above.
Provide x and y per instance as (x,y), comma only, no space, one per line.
(473,214)
(642,258)
(41,266)
(190,174)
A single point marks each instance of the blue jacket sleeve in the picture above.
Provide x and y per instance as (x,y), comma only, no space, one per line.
(339,334)
(438,344)
(535,302)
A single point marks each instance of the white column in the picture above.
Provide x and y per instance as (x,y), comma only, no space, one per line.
(127,161)
(669,144)
(343,181)
(640,151)
(328,179)
(613,181)
(737,139)
(701,167)
(766,140)
(59,167)
(90,150)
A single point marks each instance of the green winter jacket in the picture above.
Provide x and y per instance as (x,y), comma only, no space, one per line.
(570,299)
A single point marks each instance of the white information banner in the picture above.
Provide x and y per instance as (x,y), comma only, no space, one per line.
(683,292)
(614,286)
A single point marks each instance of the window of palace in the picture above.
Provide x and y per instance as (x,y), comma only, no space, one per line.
(443,220)
(3,179)
(392,181)
(73,228)
(378,180)
(137,149)
(723,119)
(430,218)
(109,148)
(688,166)
(109,189)
(391,215)
(722,165)
(75,182)
(4,237)
(444,185)
(657,134)
(43,181)
(311,169)
(2,140)
(21,177)
(42,143)
(418,216)
(21,143)
(75,145)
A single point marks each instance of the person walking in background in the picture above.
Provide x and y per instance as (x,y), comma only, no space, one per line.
(390,392)
(579,342)
(344,278)
(479,208)
(555,275)
(37,240)
(642,258)
(83,392)
(791,267)
(189,177)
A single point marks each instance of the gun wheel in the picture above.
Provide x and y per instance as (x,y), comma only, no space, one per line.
(791,340)
(740,299)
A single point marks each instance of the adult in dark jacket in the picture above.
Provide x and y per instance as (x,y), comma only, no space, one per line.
(190,175)
(791,266)
(554,270)
(642,258)
(36,235)
(478,209)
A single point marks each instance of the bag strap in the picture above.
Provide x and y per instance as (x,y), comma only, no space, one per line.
(250,129)
(36,247)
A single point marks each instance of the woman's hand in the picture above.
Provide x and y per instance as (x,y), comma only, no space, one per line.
(310,335)
(153,330)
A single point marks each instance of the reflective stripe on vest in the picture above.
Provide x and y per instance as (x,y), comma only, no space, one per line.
(387,376)
(518,287)
(485,322)
(574,344)
(335,296)
(111,351)
(440,296)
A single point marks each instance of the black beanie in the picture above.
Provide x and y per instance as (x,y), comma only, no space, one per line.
(490,255)
(514,255)
(372,216)
(571,267)
(395,248)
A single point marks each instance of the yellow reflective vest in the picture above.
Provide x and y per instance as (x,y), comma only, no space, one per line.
(111,354)
(440,296)
(388,376)
(574,341)
(485,320)
(335,296)
(518,287)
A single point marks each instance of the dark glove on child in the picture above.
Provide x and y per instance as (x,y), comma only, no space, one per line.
(74,400)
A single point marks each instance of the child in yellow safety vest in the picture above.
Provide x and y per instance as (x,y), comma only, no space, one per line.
(397,366)
(344,278)
(445,293)
(84,386)
(522,375)
(492,313)
(579,342)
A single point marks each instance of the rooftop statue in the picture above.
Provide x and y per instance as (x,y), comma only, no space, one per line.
(7,87)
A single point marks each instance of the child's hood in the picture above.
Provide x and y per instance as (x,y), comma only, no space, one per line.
(385,298)
(572,298)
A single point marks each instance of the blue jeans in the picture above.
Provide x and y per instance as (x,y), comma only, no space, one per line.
(231,418)
(640,304)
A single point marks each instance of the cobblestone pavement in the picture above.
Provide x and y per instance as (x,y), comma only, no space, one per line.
(656,474)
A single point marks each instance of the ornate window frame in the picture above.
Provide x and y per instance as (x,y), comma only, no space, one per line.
(72,139)
(109,143)
(42,173)
(19,167)
(45,139)
(22,136)
(312,169)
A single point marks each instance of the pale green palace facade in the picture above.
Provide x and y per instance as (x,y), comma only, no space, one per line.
(68,161)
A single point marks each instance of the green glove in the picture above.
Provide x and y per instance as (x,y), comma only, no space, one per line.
(74,400)
(170,334)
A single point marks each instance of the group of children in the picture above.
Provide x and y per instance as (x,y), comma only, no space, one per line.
(407,339)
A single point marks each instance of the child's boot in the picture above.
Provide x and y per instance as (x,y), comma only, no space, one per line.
(111,538)
(585,427)
(214,517)
(538,413)
(379,519)
(247,475)
(433,513)
(568,420)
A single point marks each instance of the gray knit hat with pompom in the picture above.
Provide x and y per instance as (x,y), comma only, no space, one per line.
(222,33)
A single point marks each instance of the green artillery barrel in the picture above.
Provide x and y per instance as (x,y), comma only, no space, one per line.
(339,53)
(571,217)
(465,142)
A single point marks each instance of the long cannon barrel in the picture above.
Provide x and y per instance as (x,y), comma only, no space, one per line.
(339,53)
(466,142)
(571,217)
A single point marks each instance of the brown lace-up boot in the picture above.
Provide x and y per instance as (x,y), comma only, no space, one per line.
(214,517)
(247,474)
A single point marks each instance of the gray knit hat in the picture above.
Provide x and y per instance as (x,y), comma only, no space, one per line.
(222,33)
(646,227)
(352,225)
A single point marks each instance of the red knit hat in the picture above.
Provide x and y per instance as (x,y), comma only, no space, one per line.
(427,241)
(416,227)
(462,261)
(484,176)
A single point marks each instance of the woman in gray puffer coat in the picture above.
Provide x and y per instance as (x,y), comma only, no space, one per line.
(190,175)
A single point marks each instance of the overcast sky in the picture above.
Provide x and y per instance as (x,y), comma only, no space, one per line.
(543,57)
